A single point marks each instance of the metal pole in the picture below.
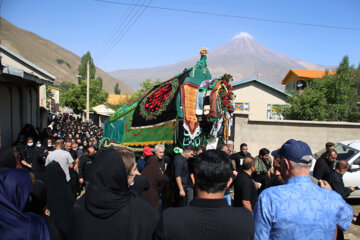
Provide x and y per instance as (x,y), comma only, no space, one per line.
(87,91)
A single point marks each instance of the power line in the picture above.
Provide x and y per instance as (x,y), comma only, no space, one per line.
(127,18)
(115,30)
(124,31)
(232,16)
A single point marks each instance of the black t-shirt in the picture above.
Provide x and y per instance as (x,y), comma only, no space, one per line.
(73,154)
(206,219)
(322,169)
(244,189)
(337,184)
(239,158)
(165,160)
(181,169)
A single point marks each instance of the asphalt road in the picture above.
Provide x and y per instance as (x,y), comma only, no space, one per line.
(354,231)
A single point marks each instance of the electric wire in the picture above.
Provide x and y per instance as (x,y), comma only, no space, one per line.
(115,30)
(125,30)
(123,23)
(233,16)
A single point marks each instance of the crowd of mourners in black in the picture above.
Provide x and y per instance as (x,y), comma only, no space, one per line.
(56,184)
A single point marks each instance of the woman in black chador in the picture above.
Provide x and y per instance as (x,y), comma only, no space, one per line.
(109,210)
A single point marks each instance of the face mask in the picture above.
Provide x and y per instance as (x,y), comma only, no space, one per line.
(81,147)
(50,145)
(38,145)
(132,183)
(74,149)
(30,144)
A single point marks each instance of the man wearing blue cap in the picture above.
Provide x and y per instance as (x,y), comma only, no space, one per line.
(299,209)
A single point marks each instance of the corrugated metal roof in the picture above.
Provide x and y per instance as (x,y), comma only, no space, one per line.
(27,62)
(20,73)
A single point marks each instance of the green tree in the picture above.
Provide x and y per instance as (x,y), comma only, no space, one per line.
(117,89)
(75,97)
(100,81)
(82,69)
(331,98)
(49,93)
(64,86)
(145,87)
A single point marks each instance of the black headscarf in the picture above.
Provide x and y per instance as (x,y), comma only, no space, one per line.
(108,191)
(7,159)
(15,185)
(108,199)
(37,204)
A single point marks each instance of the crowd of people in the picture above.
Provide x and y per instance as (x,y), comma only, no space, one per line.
(56,184)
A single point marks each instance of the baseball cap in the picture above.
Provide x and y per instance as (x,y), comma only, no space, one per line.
(147,151)
(293,150)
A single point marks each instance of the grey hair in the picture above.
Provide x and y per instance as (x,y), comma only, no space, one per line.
(230,142)
(159,146)
(305,162)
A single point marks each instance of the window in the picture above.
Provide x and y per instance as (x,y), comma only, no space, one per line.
(273,112)
(242,107)
(357,161)
(291,86)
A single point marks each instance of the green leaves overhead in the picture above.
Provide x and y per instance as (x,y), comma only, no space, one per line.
(75,97)
(331,98)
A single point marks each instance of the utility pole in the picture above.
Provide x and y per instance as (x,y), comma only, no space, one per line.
(87,90)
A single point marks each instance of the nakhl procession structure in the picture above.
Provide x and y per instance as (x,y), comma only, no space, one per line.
(188,109)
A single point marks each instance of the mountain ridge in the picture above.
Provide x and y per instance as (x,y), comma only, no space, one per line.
(243,57)
(58,61)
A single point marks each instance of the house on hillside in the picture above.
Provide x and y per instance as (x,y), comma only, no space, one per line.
(117,99)
(259,99)
(21,84)
(296,80)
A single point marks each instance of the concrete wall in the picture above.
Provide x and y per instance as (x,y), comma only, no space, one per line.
(258,96)
(42,96)
(272,134)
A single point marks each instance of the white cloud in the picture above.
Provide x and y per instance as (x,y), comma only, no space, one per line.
(242,35)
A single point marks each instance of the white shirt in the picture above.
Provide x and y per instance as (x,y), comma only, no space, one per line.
(64,158)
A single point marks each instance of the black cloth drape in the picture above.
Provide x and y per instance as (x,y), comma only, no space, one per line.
(7,159)
(59,196)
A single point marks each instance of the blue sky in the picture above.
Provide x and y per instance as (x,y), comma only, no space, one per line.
(161,37)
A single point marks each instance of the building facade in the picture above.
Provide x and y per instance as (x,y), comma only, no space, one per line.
(258,99)
(20,88)
(297,79)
